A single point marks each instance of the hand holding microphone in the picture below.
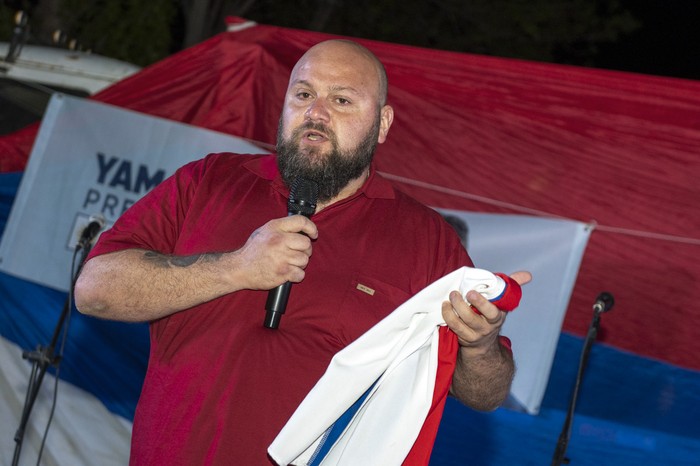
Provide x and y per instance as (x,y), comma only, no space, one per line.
(302,201)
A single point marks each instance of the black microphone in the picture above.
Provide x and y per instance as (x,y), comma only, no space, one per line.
(95,224)
(302,201)
(603,303)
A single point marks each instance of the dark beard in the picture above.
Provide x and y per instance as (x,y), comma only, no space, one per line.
(332,171)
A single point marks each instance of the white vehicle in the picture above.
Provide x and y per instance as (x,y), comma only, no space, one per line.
(30,77)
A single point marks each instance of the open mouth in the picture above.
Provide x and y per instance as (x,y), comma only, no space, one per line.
(314,136)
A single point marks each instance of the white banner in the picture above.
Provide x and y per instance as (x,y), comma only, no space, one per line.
(551,250)
(92,159)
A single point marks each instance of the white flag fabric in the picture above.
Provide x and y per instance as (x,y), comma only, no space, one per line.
(370,405)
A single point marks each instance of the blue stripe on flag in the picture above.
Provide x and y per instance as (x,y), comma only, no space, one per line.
(333,433)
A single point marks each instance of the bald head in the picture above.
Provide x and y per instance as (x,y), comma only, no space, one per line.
(349,52)
(333,117)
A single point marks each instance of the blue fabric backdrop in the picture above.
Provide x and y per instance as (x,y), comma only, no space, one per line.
(631,410)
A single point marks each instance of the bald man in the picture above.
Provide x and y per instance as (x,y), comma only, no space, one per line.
(197,256)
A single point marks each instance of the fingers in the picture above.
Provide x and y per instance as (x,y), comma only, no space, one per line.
(297,224)
(473,329)
(290,243)
(476,321)
(278,252)
(522,277)
(294,243)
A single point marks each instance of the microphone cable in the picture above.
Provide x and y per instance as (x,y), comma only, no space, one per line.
(59,356)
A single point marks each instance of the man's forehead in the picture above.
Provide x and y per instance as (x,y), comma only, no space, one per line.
(344,67)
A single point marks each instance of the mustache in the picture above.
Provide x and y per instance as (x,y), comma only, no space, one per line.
(314,126)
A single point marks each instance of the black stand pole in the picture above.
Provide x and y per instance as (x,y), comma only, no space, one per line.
(42,358)
(604,303)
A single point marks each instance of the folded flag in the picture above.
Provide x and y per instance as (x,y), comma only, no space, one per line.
(372,402)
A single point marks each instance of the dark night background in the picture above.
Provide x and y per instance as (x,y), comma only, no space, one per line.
(644,36)
(667,42)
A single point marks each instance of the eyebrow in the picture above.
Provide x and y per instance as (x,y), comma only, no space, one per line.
(335,88)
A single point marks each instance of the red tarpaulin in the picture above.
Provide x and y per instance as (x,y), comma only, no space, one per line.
(494,135)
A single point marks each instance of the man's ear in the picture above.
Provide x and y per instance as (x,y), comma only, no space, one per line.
(386,118)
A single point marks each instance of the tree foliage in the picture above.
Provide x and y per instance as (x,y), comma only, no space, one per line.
(563,31)
(6,23)
(567,31)
(130,30)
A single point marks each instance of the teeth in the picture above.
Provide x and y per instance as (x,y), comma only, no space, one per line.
(314,137)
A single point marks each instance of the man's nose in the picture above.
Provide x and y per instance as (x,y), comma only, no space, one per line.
(317,111)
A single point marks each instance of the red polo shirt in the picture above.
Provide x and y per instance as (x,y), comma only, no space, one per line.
(219,385)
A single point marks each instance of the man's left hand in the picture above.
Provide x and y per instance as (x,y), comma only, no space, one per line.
(476,330)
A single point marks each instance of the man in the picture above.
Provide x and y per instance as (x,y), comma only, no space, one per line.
(197,256)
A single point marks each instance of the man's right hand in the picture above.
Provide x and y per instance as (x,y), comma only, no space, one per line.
(277,252)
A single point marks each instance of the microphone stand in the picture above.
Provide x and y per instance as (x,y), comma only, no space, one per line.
(603,304)
(44,356)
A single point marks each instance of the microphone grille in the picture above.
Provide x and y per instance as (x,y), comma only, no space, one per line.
(302,197)
(605,301)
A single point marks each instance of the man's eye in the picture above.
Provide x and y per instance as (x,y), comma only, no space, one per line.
(342,101)
(303,95)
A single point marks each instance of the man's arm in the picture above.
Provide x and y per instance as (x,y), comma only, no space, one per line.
(485,368)
(140,285)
